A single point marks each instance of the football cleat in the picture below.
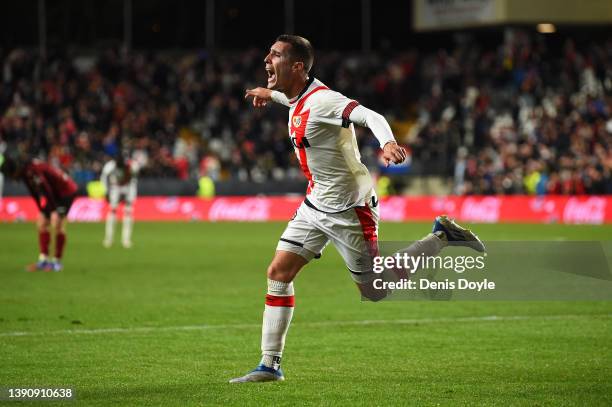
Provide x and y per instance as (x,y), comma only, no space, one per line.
(457,235)
(56,266)
(261,373)
(127,244)
(107,243)
(41,265)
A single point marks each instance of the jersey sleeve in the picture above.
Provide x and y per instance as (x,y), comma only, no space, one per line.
(334,105)
(280,98)
(39,187)
(344,111)
(106,170)
(374,121)
(34,192)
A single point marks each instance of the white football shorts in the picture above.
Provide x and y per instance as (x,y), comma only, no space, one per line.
(354,232)
(117,193)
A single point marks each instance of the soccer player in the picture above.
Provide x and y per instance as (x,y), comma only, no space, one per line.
(120,178)
(54,191)
(340,204)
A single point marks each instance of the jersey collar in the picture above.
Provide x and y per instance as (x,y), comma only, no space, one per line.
(308,84)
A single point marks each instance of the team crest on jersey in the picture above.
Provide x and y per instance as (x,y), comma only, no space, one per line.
(297,121)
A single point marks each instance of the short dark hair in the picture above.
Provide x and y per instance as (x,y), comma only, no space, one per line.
(301,49)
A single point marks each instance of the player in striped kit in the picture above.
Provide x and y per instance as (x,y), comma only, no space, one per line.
(340,204)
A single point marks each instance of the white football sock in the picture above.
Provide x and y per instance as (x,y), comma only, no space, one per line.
(126,232)
(430,245)
(276,319)
(110,226)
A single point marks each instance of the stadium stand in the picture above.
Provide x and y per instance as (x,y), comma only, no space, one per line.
(518,118)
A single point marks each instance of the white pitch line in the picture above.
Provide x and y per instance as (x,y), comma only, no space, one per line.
(489,318)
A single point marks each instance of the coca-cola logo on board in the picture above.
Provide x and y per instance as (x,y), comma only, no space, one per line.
(481,210)
(393,209)
(167,205)
(86,210)
(251,209)
(591,210)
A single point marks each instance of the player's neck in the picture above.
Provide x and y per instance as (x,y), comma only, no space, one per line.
(298,88)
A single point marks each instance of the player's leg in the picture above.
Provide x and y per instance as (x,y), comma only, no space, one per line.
(456,235)
(354,233)
(357,241)
(58,223)
(44,239)
(128,222)
(111,216)
(445,232)
(278,308)
(278,312)
(299,244)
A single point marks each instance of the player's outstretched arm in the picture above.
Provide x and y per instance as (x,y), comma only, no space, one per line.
(261,97)
(392,152)
(34,193)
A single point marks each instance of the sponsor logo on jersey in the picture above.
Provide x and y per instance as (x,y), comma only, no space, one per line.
(303,143)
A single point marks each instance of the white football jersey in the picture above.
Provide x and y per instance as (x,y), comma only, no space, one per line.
(113,176)
(325,144)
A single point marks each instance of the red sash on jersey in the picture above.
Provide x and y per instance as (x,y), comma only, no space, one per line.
(298,122)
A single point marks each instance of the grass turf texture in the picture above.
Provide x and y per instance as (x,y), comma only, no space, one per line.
(169,321)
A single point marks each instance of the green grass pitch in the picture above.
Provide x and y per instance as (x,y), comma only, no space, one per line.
(169,321)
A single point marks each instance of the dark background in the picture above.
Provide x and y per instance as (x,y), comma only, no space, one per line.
(180,24)
(239,24)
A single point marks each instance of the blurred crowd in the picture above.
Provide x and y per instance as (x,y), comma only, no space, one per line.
(516,118)
(520,118)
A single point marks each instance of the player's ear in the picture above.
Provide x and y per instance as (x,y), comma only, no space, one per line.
(297,66)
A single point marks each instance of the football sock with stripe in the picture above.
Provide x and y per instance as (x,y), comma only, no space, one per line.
(277,316)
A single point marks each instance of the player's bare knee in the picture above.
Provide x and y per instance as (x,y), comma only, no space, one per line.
(365,282)
(43,223)
(61,224)
(277,272)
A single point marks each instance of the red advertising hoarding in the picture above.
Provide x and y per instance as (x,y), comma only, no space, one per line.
(477,209)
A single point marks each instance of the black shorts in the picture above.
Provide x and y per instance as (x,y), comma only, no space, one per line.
(62,208)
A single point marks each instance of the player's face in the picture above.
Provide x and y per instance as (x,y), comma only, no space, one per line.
(278,66)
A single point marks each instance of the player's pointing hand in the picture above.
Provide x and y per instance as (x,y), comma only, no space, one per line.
(261,96)
(394,153)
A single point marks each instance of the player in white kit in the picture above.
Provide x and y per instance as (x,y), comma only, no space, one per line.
(340,205)
(120,179)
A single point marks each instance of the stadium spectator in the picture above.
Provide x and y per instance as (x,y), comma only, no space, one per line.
(511,109)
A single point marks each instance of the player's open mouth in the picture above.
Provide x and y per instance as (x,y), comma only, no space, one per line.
(271,74)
